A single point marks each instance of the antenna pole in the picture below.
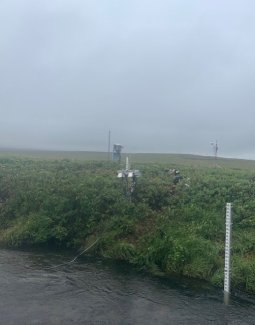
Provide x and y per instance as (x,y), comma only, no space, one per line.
(216,149)
(127,164)
(109,144)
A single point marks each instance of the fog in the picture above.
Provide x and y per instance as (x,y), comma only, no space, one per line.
(163,76)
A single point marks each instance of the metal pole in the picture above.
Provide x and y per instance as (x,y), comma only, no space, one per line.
(109,144)
(127,164)
(227,270)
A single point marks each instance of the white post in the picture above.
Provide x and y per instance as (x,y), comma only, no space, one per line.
(127,164)
(227,270)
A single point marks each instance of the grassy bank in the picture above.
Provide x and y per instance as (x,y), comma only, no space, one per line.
(58,199)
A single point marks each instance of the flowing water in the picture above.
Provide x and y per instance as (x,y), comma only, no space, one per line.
(94,291)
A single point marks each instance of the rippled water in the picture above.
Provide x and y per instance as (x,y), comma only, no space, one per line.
(93,291)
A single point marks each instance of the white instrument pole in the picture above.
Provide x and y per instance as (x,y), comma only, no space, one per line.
(227,270)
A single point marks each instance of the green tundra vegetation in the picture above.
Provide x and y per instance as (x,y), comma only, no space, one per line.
(69,200)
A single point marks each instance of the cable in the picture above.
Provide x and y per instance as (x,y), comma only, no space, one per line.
(75,258)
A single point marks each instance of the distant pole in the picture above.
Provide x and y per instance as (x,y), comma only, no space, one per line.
(109,144)
(227,269)
(215,148)
(127,164)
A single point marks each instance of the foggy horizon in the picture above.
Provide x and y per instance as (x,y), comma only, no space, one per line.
(164,77)
(210,154)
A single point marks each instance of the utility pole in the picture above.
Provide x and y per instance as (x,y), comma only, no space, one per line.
(215,148)
(109,145)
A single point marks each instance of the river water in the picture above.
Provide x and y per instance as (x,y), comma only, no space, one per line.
(94,291)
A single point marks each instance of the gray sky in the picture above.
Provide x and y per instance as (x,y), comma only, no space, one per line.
(164,76)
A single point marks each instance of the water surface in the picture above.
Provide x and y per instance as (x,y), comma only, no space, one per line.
(95,291)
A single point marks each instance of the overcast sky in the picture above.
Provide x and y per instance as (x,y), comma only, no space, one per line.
(162,75)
